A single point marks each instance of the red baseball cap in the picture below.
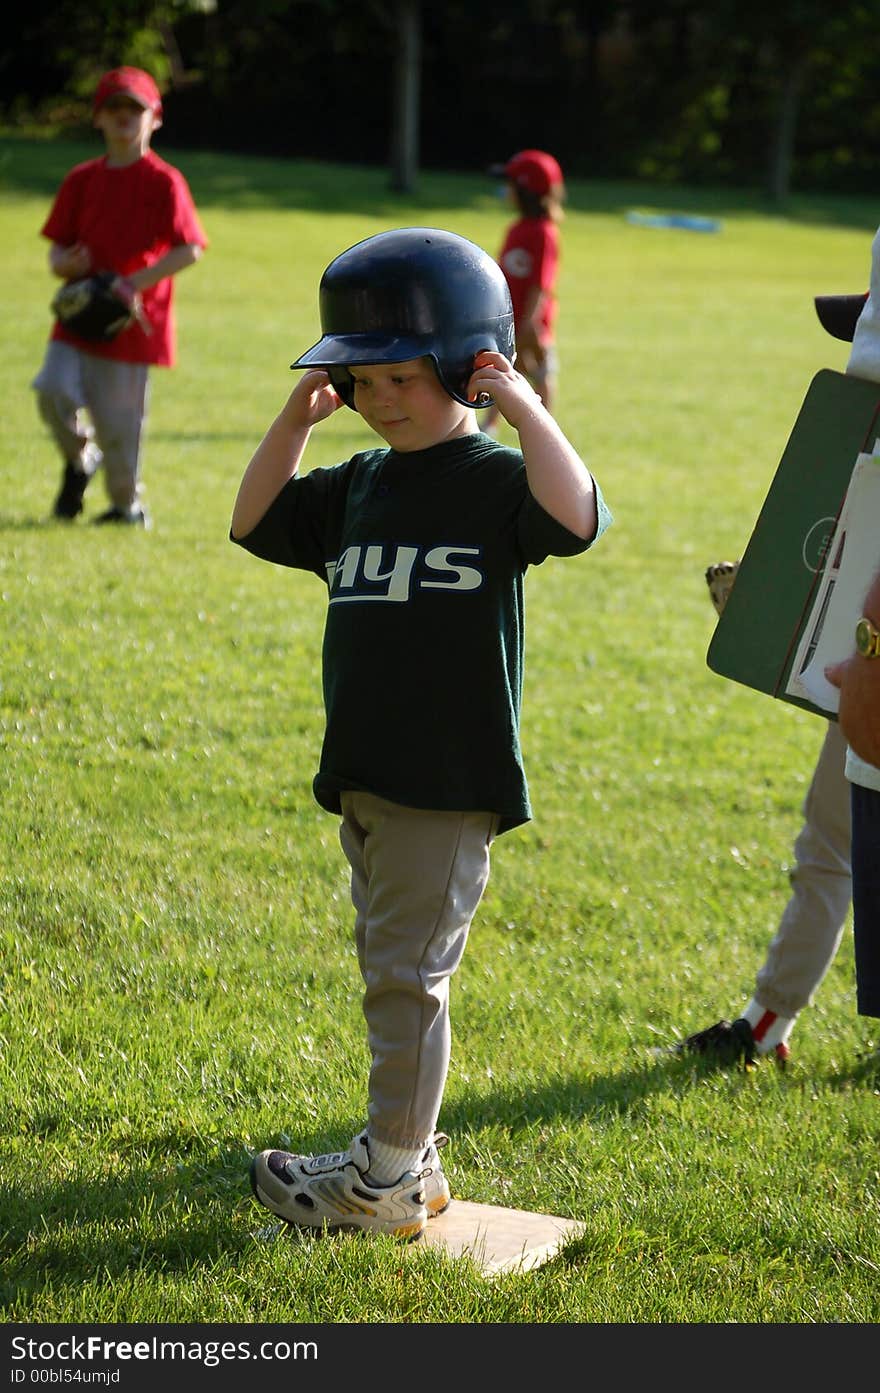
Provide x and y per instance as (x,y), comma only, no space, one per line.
(129,82)
(533,170)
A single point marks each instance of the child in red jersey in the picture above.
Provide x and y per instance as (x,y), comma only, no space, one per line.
(131,213)
(530,261)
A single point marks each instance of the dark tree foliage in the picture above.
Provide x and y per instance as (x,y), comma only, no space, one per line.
(61,47)
(762,93)
(757,93)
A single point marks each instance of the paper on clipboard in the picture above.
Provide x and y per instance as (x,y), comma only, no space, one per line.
(852,559)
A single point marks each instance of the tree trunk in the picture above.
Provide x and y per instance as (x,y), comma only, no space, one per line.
(172,53)
(407,73)
(785,129)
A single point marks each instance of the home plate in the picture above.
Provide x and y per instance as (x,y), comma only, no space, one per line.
(498,1239)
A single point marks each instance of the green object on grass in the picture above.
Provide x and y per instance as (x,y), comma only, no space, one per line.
(757,636)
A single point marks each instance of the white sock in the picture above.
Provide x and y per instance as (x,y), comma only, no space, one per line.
(768,1028)
(389,1163)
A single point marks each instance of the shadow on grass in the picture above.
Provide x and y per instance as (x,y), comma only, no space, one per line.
(148,1219)
(34,167)
(30,524)
(864,1072)
(571,1099)
(63,1233)
(578,1098)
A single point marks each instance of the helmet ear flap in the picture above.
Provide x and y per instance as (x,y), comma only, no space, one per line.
(342,383)
(454,377)
(456,374)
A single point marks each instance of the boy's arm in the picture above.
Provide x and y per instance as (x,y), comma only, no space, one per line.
(177,259)
(544,253)
(69,263)
(558,477)
(278,455)
(528,344)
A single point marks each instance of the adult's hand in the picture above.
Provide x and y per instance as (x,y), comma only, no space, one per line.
(858,679)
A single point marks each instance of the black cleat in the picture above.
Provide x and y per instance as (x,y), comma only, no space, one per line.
(133,517)
(725,1042)
(69,503)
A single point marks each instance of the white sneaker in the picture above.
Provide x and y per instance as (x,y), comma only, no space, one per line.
(331,1191)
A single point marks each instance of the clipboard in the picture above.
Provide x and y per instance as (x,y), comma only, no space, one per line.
(760,629)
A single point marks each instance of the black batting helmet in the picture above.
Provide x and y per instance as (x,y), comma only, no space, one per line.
(412,293)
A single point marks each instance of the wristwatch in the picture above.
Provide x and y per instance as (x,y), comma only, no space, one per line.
(867,638)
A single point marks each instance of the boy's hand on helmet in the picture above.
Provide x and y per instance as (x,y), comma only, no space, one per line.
(313,398)
(497,377)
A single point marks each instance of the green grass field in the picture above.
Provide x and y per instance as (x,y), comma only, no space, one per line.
(178,987)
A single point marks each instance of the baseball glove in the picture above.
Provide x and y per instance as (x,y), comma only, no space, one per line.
(719,579)
(98,307)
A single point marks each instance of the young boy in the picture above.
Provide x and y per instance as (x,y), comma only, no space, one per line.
(423,544)
(131,213)
(529,259)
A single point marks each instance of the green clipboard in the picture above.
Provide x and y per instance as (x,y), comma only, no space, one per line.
(758,632)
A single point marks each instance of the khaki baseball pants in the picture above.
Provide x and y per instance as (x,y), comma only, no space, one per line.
(417,877)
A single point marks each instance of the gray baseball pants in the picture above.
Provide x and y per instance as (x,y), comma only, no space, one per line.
(417,877)
(115,395)
(812,922)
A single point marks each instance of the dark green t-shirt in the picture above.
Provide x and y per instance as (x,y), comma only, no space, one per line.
(423,554)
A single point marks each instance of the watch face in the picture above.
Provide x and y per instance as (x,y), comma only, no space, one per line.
(866,639)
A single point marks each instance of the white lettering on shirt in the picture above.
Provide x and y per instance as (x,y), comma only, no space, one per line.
(391,574)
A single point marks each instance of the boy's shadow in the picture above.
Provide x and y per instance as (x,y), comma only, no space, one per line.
(48,1237)
(863,1072)
(576,1097)
(25,524)
(46,1231)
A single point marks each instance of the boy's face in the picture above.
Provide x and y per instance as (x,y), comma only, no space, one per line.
(124,123)
(406,404)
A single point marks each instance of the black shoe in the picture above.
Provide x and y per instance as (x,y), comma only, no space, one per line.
(726,1042)
(134,517)
(69,503)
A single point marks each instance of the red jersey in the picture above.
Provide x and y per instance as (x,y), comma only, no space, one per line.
(529,258)
(128,217)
